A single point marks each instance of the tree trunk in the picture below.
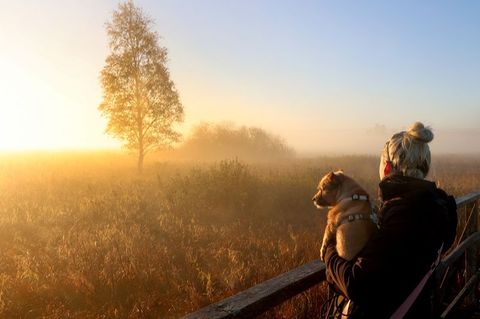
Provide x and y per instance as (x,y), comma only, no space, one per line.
(140,161)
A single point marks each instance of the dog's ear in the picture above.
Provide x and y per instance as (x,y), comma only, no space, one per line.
(333,179)
(339,172)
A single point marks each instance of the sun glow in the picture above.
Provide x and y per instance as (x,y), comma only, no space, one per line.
(22,101)
(38,113)
(28,111)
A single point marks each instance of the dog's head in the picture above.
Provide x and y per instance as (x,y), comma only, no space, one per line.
(328,189)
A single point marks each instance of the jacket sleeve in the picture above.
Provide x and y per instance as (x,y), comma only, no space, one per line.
(356,278)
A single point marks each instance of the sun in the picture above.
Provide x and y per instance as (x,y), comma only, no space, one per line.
(20,105)
(43,108)
(34,112)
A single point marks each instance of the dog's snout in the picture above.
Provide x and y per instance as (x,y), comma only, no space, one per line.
(318,200)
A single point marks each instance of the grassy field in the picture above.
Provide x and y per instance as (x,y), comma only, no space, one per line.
(83,236)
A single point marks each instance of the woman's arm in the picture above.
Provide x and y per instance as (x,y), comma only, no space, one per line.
(363,275)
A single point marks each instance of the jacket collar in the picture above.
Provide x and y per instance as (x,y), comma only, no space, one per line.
(399,186)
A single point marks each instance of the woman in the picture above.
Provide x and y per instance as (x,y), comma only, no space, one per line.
(416,218)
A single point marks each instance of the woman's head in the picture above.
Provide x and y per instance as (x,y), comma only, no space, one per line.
(407,152)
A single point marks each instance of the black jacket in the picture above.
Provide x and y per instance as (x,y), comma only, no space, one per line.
(416,217)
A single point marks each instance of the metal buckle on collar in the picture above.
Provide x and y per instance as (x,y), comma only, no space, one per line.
(359,197)
(354,217)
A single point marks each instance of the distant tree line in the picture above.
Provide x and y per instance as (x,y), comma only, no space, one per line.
(209,141)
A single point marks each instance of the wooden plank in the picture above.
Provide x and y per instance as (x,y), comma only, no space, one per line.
(471,255)
(256,300)
(457,252)
(444,273)
(468,286)
(466,199)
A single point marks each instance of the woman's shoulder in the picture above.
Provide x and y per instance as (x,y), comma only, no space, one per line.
(408,205)
(433,209)
(418,193)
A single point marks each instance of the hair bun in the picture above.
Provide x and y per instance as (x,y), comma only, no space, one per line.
(420,133)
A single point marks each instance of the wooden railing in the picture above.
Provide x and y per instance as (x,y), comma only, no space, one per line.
(268,294)
(468,239)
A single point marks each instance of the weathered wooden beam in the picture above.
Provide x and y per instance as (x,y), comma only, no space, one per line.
(471,255)
(444,271)
(466,199)
(458,251)
(258,299)
(468,286)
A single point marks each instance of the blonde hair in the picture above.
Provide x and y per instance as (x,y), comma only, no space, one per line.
(408,151)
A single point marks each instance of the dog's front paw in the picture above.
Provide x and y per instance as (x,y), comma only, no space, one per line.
(328,239)
(322,252)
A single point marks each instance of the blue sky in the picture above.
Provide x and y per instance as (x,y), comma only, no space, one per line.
(326,75)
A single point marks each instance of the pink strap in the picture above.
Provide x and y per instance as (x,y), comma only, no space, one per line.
(405,306)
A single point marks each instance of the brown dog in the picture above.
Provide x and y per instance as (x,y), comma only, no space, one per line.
(351,219)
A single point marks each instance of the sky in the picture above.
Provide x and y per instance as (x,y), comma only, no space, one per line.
(327,76)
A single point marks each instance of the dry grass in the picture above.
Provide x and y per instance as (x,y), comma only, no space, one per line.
(82,236)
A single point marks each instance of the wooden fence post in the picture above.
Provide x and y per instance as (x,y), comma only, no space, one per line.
(471,255)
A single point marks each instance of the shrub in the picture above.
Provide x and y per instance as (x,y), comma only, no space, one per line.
(217,142)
